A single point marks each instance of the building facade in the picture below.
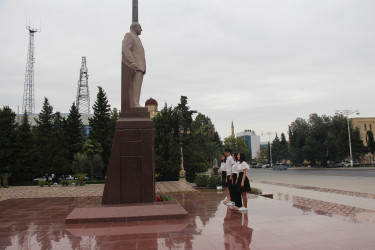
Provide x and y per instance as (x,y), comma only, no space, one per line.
(252,140)
(364,124)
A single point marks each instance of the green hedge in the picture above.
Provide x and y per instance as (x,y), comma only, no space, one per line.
(95,182)
(201,180)
(214,181)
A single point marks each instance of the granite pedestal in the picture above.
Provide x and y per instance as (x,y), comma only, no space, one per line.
(131,171)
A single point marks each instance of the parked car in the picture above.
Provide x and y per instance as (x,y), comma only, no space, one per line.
(280,166)
(68,177)
(255,165)
(337,165)
(266,166)
(40,178)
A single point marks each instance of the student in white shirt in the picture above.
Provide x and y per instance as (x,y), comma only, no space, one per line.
(223,169)
(228,164)
(242,182)
(235,173)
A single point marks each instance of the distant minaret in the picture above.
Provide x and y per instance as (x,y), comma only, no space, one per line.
(232,130)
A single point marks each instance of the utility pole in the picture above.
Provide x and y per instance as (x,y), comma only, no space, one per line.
(346,113)
(28,103)
(83,94)
(135,11)
(269,133)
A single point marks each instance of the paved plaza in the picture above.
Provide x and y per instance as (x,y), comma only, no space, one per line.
(301,216)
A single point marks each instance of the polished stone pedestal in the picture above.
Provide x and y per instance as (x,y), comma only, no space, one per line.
(126,213)
(131,171)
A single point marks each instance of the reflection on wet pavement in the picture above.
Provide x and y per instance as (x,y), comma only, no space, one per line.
(353,214)
(320,189)
(38,223)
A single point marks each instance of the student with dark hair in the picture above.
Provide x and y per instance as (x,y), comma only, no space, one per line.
(242,182)
(228,164)
(235,192)
(224,182)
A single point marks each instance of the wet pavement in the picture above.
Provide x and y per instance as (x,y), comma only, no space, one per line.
(38,223)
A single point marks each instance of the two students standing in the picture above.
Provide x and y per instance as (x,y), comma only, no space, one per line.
(234,179)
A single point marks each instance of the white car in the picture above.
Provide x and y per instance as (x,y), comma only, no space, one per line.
(266,166)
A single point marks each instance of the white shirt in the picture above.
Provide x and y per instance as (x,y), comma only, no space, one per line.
(229,162)
(223,167)
(243,166)
(236,168)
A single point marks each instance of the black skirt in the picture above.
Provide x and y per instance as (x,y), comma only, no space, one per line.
(246,187)
(224,178)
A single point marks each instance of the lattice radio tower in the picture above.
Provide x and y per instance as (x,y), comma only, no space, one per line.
(28,103)
(83,95)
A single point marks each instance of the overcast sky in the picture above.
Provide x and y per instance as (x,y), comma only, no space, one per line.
(259,63)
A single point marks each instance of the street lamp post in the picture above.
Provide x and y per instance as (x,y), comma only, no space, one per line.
(346,113)
(269,133)
(181,138)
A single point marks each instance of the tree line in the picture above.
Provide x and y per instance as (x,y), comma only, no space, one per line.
(319,140)
(55,144)
(60,146)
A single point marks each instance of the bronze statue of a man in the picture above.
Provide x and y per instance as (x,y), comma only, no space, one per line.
(133,68)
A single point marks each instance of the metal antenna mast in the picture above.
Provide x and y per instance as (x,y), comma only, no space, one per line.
(83,95)
(28,103)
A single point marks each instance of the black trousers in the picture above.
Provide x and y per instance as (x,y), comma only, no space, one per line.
(235,195)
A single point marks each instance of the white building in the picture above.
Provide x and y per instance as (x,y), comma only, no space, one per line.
(252,140)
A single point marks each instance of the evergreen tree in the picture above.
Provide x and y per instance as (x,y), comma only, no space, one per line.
(74,131)
(8,140)
(167,149)
(370,143)
(284,151)
(56,157)
(43,131)
(186,115)
(44,124)
(276,150)
(358,149)
(25,170)
(100,125)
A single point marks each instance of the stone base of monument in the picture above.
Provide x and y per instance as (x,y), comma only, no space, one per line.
(129,212)
(131,174)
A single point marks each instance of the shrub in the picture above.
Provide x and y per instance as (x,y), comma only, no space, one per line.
(95,182)
(4,177)
(201,180)
(41,183)
(64,183)
(256,191)
(214,181)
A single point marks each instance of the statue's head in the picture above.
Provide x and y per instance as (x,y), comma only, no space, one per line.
(136,28)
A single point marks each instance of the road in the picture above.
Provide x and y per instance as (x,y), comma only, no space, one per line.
(356,180)
(350,187)
(365,172)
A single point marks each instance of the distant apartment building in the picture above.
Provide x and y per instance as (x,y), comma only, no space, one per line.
(252,140)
